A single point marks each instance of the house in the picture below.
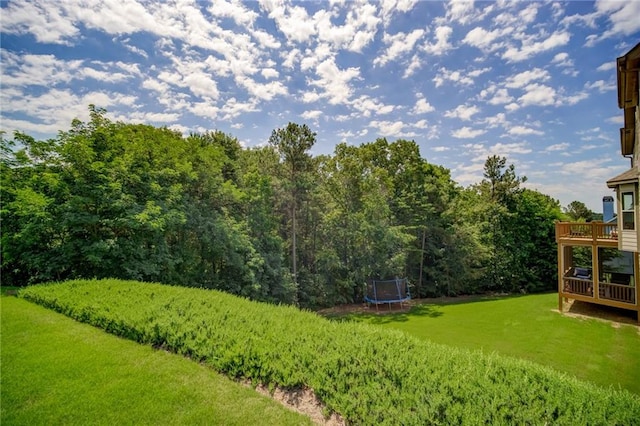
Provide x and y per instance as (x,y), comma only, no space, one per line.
(598,262)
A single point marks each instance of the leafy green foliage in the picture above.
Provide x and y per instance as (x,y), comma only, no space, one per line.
(367,374)
(513,228)
(108,199)
(132,201)
(578,211)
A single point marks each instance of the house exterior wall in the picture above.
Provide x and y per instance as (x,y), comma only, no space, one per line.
(627,238)
(628,78)
(635,161)
(610,287)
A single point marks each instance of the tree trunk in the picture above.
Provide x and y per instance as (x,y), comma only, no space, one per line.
(293,243)
(424,239)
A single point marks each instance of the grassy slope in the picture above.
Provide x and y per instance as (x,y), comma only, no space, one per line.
(526,327)
(58,371)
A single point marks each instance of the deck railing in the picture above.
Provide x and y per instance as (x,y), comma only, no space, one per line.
(606,291)
(578,286)
(587,230)
(617,292)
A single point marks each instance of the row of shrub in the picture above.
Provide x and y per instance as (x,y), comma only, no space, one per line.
(368,375)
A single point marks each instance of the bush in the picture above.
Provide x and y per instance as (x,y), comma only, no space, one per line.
(368,375)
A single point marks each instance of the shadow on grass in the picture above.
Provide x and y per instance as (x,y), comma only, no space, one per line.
(9,290)
(381,317)
(419,308)
(600,312)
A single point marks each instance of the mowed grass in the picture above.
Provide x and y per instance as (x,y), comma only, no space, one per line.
(58,371)
(527,327)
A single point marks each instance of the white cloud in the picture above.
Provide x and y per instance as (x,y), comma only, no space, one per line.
(467,133)
(442,44)
(156,117)
(266,91)
(49,71)
(293,21)
(538,94)
(481,152)
(398,44)
(557,147)
(55,108)
(311,115)
(485,40)
(601,85)
(461,11)
(623,16)
(607,66)
(562,60)
(134,49)
(478,72)
(501,97)
(421,124)
(505,149)
(495,121)
(512,107)
(463,112)
(522,79)
(389,128)
(334,81)
(528,14)
(155,85)
(110,77)
(309,97)
(522,130)
(367,106)
(365,21)
(290,58)
(233,9)
(269,73)
(440,148)
(422,106)
(389,7)
(530,48)
(454,76)
(201,85)
(47,23)
(572,99)
(413,66)
(229,65)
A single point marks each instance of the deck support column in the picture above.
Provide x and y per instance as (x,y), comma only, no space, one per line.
(595,271)
(636,282)
(560,274)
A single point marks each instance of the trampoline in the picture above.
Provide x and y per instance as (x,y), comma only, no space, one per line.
(387,291)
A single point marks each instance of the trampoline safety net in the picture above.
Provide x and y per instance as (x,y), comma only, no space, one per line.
(388,291)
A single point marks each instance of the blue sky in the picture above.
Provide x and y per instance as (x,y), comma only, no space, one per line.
(532,81)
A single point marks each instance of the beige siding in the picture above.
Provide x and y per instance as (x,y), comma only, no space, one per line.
(629,241)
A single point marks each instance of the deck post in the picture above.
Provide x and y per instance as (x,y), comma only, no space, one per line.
(560,269)
(595,271)
(636,281)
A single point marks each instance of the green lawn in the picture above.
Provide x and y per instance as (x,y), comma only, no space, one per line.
(58,371)
(526,327)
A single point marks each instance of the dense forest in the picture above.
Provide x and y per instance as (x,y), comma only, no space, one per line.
(272,223)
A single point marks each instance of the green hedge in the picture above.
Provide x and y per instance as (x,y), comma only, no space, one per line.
(369,375)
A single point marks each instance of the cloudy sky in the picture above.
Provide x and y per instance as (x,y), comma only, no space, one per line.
(532,81)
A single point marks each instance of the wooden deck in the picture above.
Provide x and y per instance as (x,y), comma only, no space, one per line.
(618,295)
(593,288)
(591,233)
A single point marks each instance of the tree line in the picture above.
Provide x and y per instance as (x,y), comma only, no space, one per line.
(271,223)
